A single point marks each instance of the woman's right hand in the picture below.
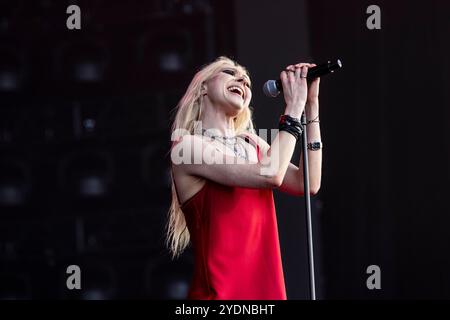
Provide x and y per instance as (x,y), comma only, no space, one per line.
(295,88)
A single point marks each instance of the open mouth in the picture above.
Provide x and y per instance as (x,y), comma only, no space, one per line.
(237,90)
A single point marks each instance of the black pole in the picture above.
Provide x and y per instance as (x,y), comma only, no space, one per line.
(312,283)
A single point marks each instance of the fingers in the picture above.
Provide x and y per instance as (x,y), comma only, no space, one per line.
(309,65)
(290,72)
(317,79)
(283,76)
(287,76)
(304,73)
(301,71)
(290,68)
(299,65)
(296,71)
(291,76)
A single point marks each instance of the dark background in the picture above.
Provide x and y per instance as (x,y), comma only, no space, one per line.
(84,136)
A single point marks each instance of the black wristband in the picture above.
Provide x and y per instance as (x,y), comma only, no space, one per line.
(292,130)
(285,118)
(291,125)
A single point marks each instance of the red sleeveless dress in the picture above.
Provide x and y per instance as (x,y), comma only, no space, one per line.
(234,235)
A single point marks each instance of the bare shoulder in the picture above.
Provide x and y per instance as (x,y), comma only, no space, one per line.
(187,185)
(187,144)
(189,139)
(192,151)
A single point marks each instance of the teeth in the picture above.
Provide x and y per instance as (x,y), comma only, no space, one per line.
(238,89)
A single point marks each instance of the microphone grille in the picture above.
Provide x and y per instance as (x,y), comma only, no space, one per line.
(270,89)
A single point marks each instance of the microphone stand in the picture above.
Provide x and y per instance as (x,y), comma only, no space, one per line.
(271,89)
(312,284)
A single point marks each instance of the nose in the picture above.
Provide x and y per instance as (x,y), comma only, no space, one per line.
(242,79)
(240,76)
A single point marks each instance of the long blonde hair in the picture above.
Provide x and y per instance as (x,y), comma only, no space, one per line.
(188,113)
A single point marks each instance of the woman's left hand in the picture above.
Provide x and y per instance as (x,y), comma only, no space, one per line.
(313,89)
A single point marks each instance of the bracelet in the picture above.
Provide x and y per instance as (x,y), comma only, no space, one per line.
(285,118)
(295,131)
(315,145)
(313,120)
(291,125)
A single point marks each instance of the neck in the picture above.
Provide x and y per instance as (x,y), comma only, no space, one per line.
(216,121)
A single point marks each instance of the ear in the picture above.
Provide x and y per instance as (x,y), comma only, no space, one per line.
(203,90)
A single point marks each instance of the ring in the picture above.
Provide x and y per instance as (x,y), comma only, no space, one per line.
(302,76)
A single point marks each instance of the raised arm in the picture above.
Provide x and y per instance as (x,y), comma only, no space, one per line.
(293,179)
(206,161)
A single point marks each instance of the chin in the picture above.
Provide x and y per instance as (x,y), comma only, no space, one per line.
(236,106)
(239,108)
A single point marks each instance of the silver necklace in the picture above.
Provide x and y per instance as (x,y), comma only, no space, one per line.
(237,147)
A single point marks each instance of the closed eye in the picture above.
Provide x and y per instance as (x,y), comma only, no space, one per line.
(230,72)
(233,73)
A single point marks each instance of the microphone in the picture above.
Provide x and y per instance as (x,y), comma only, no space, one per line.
(272,88)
